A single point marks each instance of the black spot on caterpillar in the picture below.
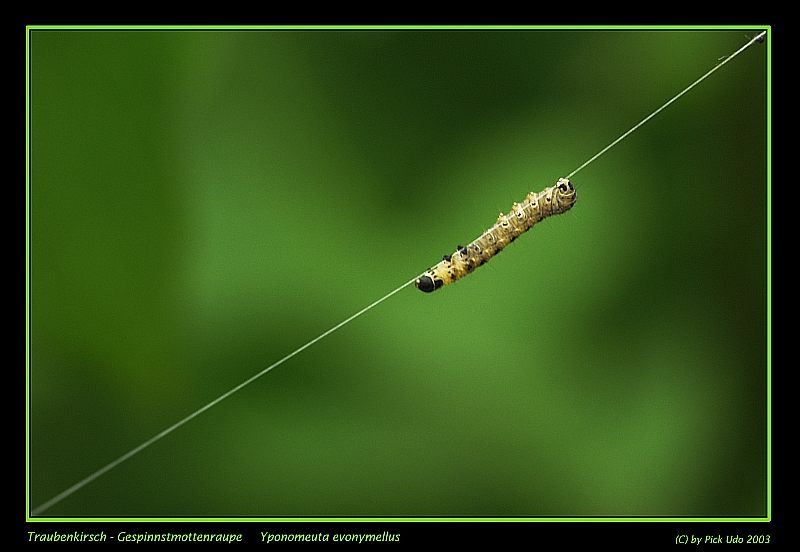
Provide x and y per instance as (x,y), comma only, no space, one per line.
(557,199)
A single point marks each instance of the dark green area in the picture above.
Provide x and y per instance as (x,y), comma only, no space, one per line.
(203,203)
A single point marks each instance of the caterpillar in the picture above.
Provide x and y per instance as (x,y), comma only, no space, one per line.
(536,207)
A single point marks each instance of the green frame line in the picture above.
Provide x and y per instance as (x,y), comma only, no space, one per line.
(398,27)
(769,276)
(27,270)
(587,519)
(397,520)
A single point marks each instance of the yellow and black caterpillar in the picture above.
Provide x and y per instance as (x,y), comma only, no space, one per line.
(537,206)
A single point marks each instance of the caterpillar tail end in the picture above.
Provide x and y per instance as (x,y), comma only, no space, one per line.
(428,284)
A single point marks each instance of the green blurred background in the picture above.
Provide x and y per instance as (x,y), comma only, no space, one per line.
(203,203)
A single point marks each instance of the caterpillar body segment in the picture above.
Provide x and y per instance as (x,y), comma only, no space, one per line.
(521,218)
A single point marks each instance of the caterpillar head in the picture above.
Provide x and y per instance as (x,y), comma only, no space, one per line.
(564,195)
(428,283)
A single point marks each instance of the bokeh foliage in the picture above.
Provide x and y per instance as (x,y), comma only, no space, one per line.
(203,203)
